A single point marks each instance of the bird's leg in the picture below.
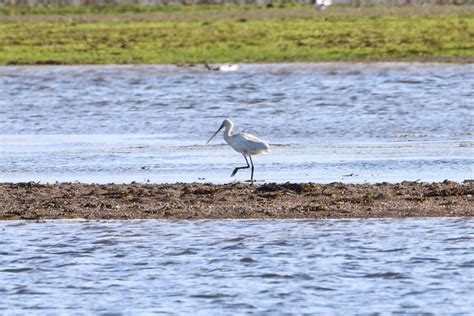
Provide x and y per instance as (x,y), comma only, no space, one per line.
(251,177)
(237,169)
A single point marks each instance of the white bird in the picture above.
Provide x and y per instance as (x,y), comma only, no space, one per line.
(228,67)
(244,143)
(322,4)
(225,67)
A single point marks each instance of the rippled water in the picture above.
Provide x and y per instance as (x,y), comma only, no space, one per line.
(238,267)
(326,122)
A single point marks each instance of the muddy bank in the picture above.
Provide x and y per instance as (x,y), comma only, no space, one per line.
(234,201)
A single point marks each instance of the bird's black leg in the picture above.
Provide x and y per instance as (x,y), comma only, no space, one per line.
(251,177)
(237,169)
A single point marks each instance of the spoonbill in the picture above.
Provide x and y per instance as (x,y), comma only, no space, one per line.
(244,143)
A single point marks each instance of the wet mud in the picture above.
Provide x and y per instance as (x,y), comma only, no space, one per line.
(33,201)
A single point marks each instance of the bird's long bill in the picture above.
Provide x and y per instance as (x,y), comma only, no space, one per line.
(215,134)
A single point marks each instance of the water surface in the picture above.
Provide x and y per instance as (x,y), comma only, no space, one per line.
(238,267)
(326,122)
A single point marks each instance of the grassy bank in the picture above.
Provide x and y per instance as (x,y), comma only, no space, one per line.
(257,35)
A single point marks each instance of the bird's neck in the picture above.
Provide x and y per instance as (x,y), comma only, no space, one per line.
(228,132)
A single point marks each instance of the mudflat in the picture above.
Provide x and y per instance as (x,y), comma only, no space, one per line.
(35,201)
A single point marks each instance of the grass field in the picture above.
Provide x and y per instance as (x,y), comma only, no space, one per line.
(246,34)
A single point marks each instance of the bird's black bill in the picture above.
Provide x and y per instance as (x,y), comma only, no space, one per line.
(215,134)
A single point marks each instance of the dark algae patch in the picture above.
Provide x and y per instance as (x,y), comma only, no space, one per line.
(33,201)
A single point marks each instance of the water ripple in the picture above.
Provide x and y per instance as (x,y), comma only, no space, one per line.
(238,267)
(388,99)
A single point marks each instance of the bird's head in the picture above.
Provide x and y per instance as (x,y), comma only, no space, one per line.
(226,123)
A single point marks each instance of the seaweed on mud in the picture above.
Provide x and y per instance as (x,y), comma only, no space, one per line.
(293,187)
(456,191)
(271,195)
(309,208)
(30,184)
(364,199)
(202,192)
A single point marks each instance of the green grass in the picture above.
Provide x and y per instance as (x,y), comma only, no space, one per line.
(318,37)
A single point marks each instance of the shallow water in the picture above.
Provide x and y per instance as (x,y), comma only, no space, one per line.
(238,267)
(326,122)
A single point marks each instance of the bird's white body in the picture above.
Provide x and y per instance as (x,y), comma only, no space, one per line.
(228,67)
(224,67)
(322,4)
(244,143)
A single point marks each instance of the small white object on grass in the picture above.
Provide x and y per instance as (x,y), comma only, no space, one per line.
(322,4)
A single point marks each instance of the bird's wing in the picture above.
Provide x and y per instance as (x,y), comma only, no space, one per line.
(247,143)
(250,137)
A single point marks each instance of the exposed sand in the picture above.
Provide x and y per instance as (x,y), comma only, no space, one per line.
(234,201)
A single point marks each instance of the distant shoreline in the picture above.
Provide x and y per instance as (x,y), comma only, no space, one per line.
(31,201)
(240,35)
